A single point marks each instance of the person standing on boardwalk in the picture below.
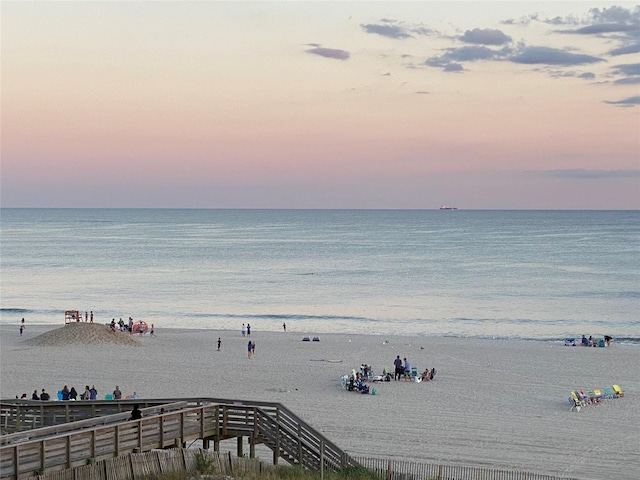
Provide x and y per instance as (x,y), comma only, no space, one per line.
(117,394)
(219,343)
(248,330)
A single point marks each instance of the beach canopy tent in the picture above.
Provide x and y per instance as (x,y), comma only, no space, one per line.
(140,327)
(71,316)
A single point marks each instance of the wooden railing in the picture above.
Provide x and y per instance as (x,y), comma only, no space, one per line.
(183,420)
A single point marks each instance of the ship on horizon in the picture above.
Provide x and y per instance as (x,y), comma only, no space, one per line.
(447,207)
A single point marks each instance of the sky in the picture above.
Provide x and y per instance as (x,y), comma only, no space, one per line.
(300,104)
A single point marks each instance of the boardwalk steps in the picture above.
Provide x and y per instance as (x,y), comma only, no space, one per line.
(49,436)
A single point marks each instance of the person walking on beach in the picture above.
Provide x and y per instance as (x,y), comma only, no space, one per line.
(91,321)
(243,330)
(22,326)
(284,327)
(248,330)
(86,316)
(249,349)
(152,329)
(219,343)
(253,349)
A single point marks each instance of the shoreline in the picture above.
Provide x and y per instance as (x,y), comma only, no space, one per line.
(621,340)
(493,402)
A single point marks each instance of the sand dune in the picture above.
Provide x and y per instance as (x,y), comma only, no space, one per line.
(493,403)
(81,333)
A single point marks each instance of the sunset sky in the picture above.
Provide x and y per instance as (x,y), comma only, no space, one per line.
(480,105)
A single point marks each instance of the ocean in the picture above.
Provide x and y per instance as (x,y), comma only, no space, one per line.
(534,275)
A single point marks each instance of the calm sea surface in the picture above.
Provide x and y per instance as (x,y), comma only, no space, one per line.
(506,274)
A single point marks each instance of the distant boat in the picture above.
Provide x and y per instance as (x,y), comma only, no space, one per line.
(447,207)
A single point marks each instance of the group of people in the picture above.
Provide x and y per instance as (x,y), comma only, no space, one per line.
(251,349)
(130,327)
(65,394)
(35,396)
(402,368)
(246,331)
(592,342)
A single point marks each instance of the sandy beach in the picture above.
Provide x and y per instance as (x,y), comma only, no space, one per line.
(493,403)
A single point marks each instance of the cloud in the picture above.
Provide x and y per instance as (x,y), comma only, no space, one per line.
(604,28)
(386,30)
(582,173)
(584,75)
(470,54)
(627,81)
(397,30)
(453,67)
(329,53)
(634,48)
(625,102)
(616,14)
(486,36)
(451,59)
(627,69)
(551,56)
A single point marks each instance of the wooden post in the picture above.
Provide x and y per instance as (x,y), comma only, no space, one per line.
(16,461)
(216,444)
(252,448)
(389,469)
(239,441)
(321,459)
(161,431)
(205,443)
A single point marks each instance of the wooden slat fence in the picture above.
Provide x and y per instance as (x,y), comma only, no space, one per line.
(138,466)
(401,470)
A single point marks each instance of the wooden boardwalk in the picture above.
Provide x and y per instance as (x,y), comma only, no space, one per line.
(50,436)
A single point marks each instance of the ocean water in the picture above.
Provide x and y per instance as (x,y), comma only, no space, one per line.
(542,275)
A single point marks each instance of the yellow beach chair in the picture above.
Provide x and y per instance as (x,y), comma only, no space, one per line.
(575,402)
(618,391)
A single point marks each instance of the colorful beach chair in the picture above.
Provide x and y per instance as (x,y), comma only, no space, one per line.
(618,391)
(575,402)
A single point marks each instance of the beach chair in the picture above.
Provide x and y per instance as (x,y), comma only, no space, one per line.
(108,396)
(599,394)
(575,402)
(618,391)
(582,397)
(414,374)
(608,393)
(593,398)
(570,342)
